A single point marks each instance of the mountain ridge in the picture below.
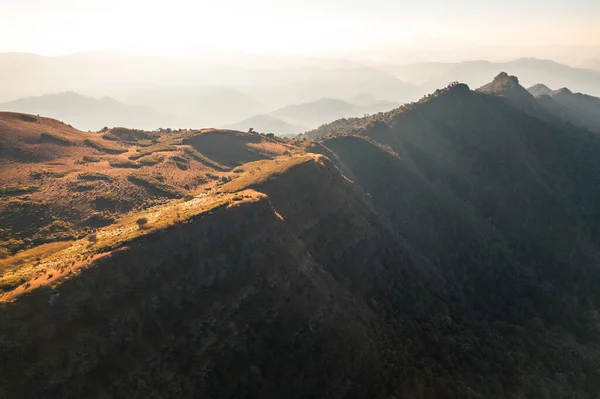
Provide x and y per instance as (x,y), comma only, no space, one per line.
(445,248)
(477,73)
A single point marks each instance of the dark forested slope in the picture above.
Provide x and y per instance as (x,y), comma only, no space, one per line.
(576,108)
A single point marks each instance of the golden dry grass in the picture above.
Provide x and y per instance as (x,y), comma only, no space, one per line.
(31,256)
(258,172)
(57,160)
(49,264)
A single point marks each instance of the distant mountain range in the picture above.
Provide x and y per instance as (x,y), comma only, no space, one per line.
(476,73)
(214,89)
(199,106)
(188,91)
(560,105)
(267,124)
(577,108)
(298,118)
(315,113)
(87,113)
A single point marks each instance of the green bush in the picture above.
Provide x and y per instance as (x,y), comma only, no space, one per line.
(58,230)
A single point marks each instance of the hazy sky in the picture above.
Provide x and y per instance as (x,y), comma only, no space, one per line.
(294,26)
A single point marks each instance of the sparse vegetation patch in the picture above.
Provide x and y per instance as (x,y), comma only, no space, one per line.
(181,162)
(151,160)
(17,190)
(43,174)
(104,147)
(28,118)
(55,139)
(100,219)
(153,183)
(56,231)
(129,135)
(192,153)
(160,147)
(125,163)
(94,176)
(90,159)
(81,186)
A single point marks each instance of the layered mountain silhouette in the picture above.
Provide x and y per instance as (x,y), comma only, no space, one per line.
(576,108)
(476,73)
(209,89)
(204,106)
(447,248)
(315,113)
(88,113)
(298,118)
(539,90)
(267,124)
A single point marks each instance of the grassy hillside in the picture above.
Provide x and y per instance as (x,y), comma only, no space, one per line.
(55,173)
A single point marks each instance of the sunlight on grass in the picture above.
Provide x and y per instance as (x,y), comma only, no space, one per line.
(50,263)
(260,171)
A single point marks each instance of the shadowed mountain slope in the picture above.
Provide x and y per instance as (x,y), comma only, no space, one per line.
(576,108)
(508,87)
(444,249)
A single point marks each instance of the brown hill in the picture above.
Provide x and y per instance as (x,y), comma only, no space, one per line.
(233,148)
(28,138)
(59,183)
